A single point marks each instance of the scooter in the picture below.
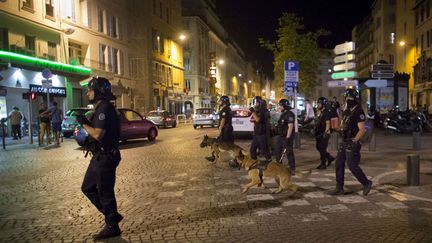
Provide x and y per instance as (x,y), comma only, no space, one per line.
(399,122)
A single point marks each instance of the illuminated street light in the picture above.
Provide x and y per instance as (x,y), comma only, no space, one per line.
(263,90)
(182,37)
(221,62)
(250,81)
(402,43)
(239,74)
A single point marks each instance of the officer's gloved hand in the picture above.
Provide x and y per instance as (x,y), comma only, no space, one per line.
(252,109)
(82,119)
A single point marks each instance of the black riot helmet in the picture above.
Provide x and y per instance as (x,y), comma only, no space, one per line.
(224,100)
(257,101)
(102,89)
(352,93)
(322,101)
(285,104)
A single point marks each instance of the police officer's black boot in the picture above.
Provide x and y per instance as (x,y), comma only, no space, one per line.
(322,166)
(330,159)
(108,231)
(337,191)
(211,158)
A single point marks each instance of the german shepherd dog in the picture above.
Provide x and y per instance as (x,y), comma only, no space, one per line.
(279,172)
(219,146)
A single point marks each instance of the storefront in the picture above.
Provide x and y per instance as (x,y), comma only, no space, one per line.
(20,74)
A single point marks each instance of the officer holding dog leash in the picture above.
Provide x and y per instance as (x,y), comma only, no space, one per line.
(352,130)
(285,135)
(226,131)
(104,130)
(261,118)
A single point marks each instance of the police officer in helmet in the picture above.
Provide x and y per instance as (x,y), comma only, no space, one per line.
(261,118)
(285,134)
(322,132)
(352,129)
(226,132)
(104,130)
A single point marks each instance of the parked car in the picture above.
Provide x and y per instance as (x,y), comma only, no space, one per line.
(69,121)
(162,118)
(133,126)
(242,121)
(204,117)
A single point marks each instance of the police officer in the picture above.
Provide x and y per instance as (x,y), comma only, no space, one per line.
(322,132)
(226,132)
(261,118)
(352,129)
(104,130)
(285,134)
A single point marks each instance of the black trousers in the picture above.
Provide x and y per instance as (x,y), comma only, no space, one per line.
(98,184)
(283,143)
(16,131)
(321,145)
(261,142)
(227,134)
(352,157)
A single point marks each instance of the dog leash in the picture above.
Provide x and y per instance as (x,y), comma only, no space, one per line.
(283,154)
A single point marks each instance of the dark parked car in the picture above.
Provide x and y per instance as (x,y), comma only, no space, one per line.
(133,126)
(69,122)
(162,118)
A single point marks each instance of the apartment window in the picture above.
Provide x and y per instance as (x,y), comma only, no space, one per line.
(154,40)
(102,49)
(422,42)
(49,7)
(27,4)
(417,43)
(168,15)
(391,59)
(427,10)
(112,24)
(114,62)
(392,38)
(154,7)
(30,44)
(170,77)
(52,51)
(100,14)
(68,9)
(4,39)
(392,18)
(377,22)
(417,17)
(187,66)
(110,66)
(188,84)
(422,13)
(160,10)
(133,68)
(160,44)
(76,54)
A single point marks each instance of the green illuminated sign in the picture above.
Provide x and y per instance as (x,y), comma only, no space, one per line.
(42,63)
(350,74)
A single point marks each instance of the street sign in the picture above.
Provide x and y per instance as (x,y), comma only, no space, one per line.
(382,75)
(376,83)
(344,58)
(383,67)
(344,48)
(349,74)
(291,71)
(342,83)
(344,66)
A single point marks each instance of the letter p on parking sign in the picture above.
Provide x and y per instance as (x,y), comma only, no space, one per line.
(291,65)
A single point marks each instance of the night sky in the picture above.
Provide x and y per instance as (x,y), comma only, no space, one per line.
(247,20)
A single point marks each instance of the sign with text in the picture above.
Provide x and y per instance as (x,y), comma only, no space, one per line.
(291,76)
(376,83)
(342,83)
(344,48)
(56,91)
(344,66)
(344,58)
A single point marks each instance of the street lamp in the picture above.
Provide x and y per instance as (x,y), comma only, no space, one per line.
(402,43)
(221,61)
(182,37)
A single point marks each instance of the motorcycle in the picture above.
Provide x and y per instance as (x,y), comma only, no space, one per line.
(403,122)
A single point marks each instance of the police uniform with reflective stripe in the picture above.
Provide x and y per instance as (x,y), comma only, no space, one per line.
(227,134)
(348,150)
(98,184)
(282,142)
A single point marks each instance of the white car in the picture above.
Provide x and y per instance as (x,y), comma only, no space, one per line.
(242,121)
(204,117)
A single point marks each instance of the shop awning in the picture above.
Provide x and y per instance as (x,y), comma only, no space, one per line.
(38,64)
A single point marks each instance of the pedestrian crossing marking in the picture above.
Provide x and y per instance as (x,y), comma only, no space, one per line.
(316,195)
(320,179)
(228,192)
(305,184)
(352,199)
(268,211)
(296,202)
(173,183)
(313,217)
(381,213)
(259,197)
(336,208)
(393,205)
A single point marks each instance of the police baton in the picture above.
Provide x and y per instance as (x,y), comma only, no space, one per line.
(283,154)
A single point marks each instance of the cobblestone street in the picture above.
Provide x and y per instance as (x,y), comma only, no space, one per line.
(168,192)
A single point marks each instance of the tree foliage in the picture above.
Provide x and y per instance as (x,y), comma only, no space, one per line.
(294,43)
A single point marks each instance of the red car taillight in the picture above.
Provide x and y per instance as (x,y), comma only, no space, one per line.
(75,132)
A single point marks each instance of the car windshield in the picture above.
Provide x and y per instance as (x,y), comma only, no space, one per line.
(155,113)
(240,113)
(75,112)
(203,111)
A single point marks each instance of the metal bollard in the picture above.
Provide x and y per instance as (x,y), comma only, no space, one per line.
(372,143)
(413,170)
(416,141)
(334,141)
(297,140)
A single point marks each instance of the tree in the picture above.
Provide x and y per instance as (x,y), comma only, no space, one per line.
(295,44)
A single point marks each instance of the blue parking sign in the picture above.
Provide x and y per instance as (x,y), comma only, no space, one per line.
(291,65)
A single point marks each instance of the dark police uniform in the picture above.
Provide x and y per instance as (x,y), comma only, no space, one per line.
(227,134)
(348,150)
(98,184)
(282,142)
(321,137)
(260,138)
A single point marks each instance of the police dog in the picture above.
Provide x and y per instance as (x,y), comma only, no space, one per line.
(220,146)
(279,172)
